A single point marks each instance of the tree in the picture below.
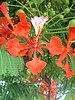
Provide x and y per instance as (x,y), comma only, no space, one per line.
(36,61)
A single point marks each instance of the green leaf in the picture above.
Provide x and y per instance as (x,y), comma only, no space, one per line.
(40,1)
(72,63)
(10,65)
(70,95)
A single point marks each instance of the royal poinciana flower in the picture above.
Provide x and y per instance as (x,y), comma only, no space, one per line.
(34,43)
(23,27)
(4,10)
(36,65)
(55,47)
(38,23)
(15,48)
(20,29)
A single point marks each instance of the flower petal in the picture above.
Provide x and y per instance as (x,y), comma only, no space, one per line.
(15,48)
(38,23)
(4,10)
(36,65)
(23,27)
(55,46)
(61,58)
(4,29)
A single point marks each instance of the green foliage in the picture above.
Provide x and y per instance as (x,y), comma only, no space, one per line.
(40,1)
(70,95)
(10,65)
(16,91)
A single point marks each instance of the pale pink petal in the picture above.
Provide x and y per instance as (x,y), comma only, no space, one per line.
(38,23)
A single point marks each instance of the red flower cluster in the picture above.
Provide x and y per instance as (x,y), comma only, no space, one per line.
(9,33)
(14,46)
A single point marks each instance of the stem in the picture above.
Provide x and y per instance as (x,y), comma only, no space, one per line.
(29,3)
(72,9)
(24,7)
(71,6)
(58,29)
(37,9)
(16,6)
(47,32)
(61,20)
(13,5)
(55,23)
(45,38)
(55,17)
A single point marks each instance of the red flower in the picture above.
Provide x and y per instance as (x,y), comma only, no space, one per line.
(23,27)
(36,65)
(15,48)
(67,49)
(4,10)
(20,29)
(55,47)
